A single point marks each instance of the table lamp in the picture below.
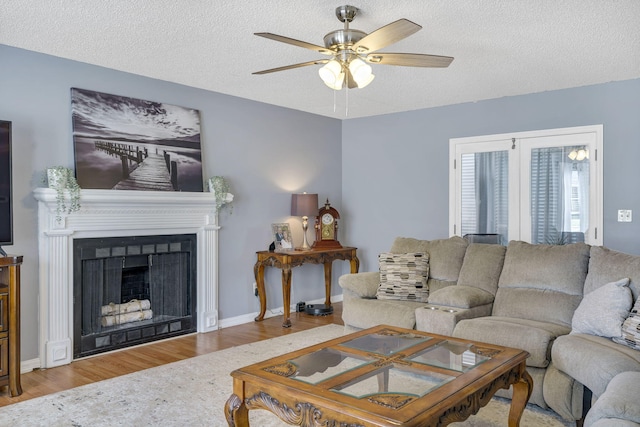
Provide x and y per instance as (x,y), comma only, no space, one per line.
(304,205)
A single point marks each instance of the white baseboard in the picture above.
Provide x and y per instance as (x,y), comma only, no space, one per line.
(29,365)
(247,318)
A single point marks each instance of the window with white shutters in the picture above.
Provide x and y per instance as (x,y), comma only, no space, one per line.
(539,187)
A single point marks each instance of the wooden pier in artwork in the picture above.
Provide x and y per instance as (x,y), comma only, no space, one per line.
(142,170)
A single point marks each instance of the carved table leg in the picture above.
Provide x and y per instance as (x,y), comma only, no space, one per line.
(258,272)
(236,412)
(354,263)
(327,283)
(286,296)
(521,393)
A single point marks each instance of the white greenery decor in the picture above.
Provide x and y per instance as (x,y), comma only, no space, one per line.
(219,186)
(61,178)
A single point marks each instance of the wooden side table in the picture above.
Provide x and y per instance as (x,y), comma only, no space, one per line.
(10,323)
(287,260)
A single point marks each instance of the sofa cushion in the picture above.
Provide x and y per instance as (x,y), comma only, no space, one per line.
(542,282)
(445,255)
(482,266)
(606,265)
(403,245)
(631,328)
(403,276)
(593,361)
(366,313)
(460,296)
(618,402)
(603,310)
(529,335)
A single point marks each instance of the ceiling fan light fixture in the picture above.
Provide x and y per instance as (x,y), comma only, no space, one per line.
(338,83)
(365,82)
(332,74)
(361,72)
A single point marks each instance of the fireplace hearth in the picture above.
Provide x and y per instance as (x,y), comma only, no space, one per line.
(132,290)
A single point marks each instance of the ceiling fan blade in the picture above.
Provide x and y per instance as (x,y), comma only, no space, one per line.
(387,35)
(409,59)
(316,48)
(290,67)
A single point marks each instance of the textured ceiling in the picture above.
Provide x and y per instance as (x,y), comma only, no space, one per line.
(501,47)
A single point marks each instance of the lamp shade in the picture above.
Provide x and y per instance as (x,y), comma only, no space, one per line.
(332,74)
(361,72)
(304,204)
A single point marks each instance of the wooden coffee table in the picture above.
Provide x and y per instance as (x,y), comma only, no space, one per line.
(382,376)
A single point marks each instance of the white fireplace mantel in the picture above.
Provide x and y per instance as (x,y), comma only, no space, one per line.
(113,213)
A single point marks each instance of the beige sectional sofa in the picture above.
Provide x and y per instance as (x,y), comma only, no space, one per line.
(522,296)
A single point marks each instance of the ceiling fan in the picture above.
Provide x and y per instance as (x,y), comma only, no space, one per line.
(351,49)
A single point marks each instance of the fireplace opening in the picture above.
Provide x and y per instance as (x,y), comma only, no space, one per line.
(132,290)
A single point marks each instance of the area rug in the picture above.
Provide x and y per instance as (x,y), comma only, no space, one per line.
(193,392)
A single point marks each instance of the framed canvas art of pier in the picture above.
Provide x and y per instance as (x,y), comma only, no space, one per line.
(124,143)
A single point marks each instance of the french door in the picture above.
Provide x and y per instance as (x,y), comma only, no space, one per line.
(539,187)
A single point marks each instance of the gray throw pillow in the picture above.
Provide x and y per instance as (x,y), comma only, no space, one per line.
(603,310)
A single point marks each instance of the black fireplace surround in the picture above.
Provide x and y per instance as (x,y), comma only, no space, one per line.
(132,290)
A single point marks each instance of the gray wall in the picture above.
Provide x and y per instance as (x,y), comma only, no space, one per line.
(266,152)
(387,175)
(395,167)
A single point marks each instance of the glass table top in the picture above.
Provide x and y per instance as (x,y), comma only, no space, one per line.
(385,343)
(323,364)
(384,366)
(450,355)
(394,380)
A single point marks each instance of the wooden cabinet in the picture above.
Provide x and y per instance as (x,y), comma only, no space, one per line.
(10,323)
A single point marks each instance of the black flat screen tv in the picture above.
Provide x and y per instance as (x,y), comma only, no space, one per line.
(6,211)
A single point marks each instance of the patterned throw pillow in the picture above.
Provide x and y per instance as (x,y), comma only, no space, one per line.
(631,328)
(403,276)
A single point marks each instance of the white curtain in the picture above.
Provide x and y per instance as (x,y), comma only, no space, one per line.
(485,194)
(547,195)
(559,196)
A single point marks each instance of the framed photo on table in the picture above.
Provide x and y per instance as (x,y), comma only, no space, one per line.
(282,236)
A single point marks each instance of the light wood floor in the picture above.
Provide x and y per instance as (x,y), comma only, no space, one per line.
(92,369)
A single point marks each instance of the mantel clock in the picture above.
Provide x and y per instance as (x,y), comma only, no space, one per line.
(327,228)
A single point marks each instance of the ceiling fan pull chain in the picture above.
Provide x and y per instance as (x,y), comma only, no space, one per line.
(334,100)
(346,95)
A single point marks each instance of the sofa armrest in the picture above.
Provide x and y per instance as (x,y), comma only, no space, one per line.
(364,285)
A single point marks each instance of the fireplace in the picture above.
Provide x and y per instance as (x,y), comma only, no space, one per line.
(117,214)
(132,290)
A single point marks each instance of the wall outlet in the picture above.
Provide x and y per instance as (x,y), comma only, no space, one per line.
(624,215)
(255,289)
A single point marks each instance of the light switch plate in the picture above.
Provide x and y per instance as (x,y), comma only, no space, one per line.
(624,215)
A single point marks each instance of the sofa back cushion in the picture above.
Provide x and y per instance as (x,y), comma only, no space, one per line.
(606,265)
(445,257)
(482,266)
(403,245)
(542,282)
